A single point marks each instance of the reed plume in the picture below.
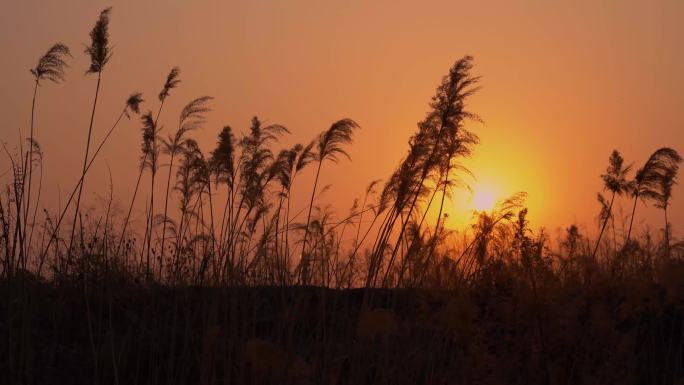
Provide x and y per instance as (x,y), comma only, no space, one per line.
(615,181)
(149,160)
(662,200)
(191,118)
(50,67)
(649,178)
(330,146)
(52,64)
(99,50)
(171,82)
(445,119)
(100,53)
(222,166)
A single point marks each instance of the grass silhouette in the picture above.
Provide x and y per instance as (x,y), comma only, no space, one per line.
(229,286)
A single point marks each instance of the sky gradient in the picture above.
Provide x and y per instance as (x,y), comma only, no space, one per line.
(563,84)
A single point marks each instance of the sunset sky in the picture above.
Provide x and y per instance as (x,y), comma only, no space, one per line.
(563,84)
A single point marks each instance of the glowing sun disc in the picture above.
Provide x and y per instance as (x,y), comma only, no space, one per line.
(483,200)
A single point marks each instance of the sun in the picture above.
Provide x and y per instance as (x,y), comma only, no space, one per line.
(482,196)
(483,199)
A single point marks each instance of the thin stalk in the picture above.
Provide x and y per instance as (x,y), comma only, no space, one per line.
(603,227)
(130,209)
(150,223)
(30,162)
(166,207)
(35,209)
(137,185)
(85,164)
(667,233)
(631,221)
(305,260)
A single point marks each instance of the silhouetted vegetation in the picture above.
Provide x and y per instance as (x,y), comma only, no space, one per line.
(226,285)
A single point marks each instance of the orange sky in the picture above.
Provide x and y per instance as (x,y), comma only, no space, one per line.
(563,85)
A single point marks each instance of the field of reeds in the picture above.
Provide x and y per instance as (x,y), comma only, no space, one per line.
(223,284)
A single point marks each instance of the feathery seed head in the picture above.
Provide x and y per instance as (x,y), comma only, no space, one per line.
(172,81)
(51,65)
(133,102)
(99,49)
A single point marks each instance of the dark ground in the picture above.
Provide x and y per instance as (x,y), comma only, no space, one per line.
(494,333)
